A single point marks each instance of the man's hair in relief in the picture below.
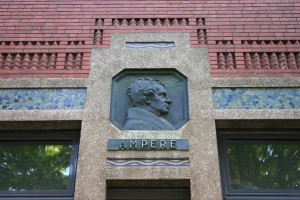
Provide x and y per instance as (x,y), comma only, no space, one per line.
(142,88)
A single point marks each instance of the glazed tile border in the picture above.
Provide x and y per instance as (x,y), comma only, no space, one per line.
(256,98)
(42,99)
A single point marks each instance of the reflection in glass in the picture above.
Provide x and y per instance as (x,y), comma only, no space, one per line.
(38,165)
(264,164)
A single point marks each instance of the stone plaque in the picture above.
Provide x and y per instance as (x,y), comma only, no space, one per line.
(147,144)
(149,100)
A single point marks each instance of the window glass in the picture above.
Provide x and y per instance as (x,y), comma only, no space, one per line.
(264,164)
(35,165)
(38,164)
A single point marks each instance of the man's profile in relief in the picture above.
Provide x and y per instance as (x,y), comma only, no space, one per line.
(150,101)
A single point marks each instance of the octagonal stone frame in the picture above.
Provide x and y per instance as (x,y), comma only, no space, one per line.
(177,89)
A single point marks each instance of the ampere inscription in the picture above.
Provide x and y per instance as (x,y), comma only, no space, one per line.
(147,144)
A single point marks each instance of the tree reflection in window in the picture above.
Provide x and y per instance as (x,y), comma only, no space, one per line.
(264,164)
(31,166)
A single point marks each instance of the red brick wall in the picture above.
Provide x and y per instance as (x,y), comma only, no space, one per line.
(245,38)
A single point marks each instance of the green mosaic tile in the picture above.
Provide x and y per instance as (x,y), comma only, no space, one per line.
(256,98)
(42,99)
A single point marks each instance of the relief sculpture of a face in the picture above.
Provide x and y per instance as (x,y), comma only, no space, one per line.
(159,102)
(150,100)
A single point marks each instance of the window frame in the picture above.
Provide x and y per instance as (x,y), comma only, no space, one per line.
(44,137)
(258,135)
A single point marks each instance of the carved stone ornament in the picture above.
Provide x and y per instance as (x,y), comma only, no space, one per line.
(149,100)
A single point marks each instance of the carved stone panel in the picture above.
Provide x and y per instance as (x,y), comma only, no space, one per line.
(149,99)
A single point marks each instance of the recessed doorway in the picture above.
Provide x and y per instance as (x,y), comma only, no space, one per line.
(148,190)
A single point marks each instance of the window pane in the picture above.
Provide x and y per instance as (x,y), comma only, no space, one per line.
(264,164)
(34,165)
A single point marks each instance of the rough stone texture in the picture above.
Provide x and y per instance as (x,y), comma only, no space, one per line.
(200,130)
(259,124)
(256,114)
(93,173)
(42,83)
(40,125)
(149,183)
(36,115)
(255,82)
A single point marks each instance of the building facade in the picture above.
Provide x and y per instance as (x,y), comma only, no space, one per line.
(230,128)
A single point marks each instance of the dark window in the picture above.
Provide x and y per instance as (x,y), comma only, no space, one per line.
(149,194)
(38,165)
(148,189)
(260,165)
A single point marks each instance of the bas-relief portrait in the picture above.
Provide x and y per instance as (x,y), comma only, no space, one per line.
(149,100)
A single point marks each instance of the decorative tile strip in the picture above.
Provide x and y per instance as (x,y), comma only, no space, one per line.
(256,98)
(270,42)
(148,162)
(34,61)
(283,60)
(73,61)
(226,60)
(224,42)
(98,37)
(76,42)
(99,22)
(150,44)
(150,22)
(29,43)
(202,37)
(42,99)
(200,21)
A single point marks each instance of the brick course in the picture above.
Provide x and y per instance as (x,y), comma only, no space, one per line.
(226,26)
